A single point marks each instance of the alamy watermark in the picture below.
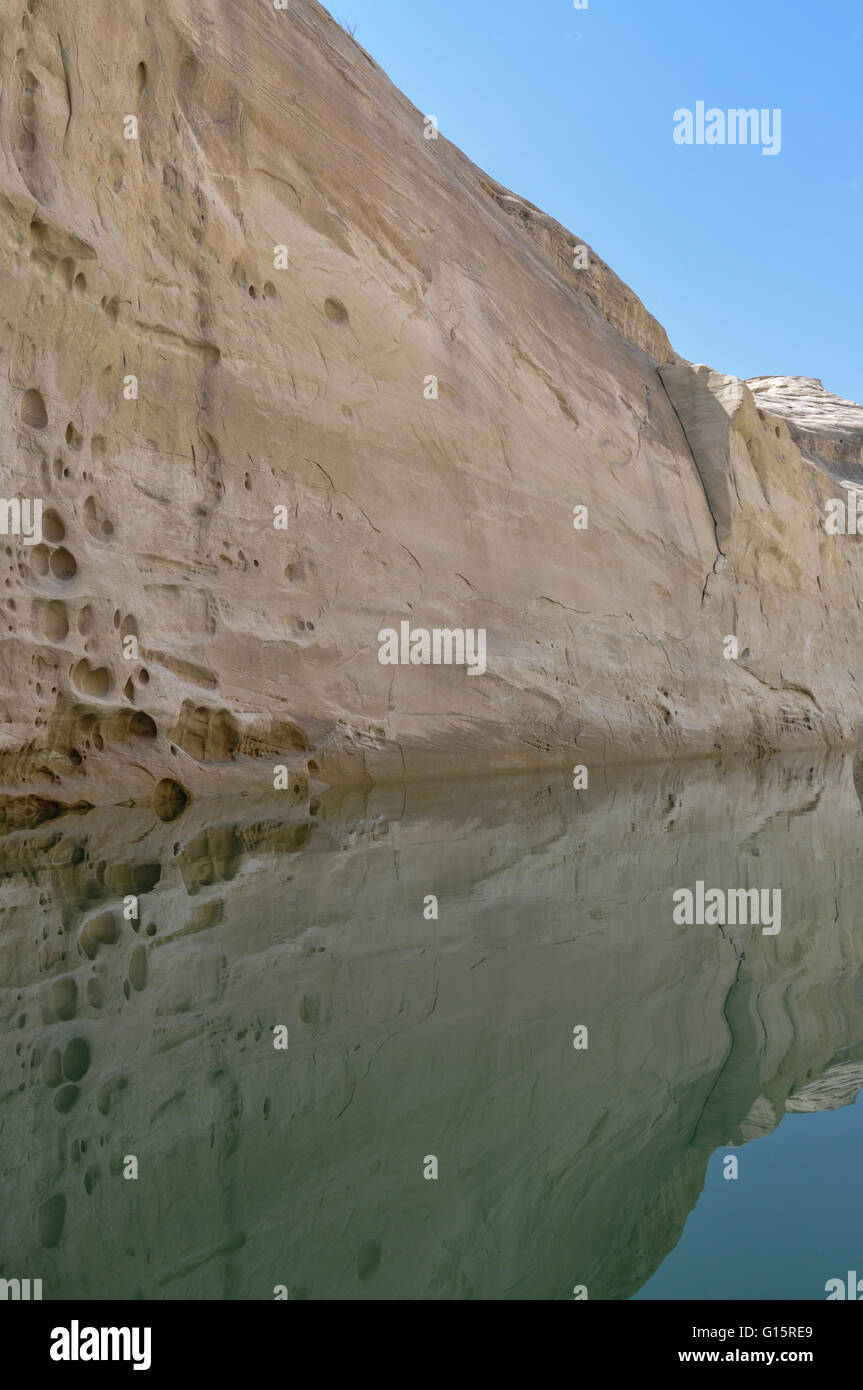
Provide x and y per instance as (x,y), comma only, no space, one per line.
(20,1290)
(76,1343)
(737,126)
(717,907)
(845,518)
(22,517)
(851,1291)
(438,646)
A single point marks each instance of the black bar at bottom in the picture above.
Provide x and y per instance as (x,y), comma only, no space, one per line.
(65,1338)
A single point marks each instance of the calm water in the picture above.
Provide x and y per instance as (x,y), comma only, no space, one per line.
(410,1037)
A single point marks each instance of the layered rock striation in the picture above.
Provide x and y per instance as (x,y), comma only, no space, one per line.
(283,373)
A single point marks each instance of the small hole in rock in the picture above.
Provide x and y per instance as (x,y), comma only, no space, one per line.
(63,564)
(170,799)
(336,312)
(39,560)
(90,681)
(52,527)
(33,410)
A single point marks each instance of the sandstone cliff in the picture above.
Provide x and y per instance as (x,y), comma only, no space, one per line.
(299,380)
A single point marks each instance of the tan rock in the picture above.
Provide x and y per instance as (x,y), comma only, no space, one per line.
(305,388)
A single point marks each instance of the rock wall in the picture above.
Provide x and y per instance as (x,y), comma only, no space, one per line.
(170,379)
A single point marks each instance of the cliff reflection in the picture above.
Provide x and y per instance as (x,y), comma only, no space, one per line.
(410,1036)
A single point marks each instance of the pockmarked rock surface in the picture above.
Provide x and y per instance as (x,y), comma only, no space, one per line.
(285,372)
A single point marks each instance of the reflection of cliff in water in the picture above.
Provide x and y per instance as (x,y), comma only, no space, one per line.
(410,1037)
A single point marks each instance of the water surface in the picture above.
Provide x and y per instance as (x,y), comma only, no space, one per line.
(411,1038)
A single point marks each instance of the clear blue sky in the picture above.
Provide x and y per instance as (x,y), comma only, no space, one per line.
(753,263)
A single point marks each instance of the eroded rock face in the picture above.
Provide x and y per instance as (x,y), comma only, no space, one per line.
(172,379)
(828,429)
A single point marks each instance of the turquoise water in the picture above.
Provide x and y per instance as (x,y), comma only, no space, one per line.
(154,1143)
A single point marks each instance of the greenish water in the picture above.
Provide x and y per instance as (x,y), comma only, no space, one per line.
(411,1038)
